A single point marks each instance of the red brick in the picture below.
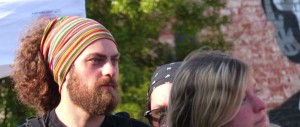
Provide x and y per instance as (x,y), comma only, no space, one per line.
(257,46)
(251,3)
(234,3)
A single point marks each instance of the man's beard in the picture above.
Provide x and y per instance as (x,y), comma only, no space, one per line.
(95,101)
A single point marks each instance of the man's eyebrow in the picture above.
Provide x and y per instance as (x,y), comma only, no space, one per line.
(102,55)
(116,55)
(96,54)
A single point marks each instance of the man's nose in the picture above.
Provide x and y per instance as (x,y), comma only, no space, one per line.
(109,69)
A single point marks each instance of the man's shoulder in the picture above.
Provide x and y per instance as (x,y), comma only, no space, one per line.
(34,122)
(123,118)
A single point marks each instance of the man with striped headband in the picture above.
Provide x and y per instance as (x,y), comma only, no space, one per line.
(67,69)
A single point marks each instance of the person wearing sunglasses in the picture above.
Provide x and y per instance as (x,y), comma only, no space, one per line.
(158,93)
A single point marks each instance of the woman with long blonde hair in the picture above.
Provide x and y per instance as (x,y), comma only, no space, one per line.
(212,89)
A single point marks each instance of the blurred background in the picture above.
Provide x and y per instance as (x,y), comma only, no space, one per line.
(149,33)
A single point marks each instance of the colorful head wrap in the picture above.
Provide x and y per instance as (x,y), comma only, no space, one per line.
(162,75)
(65,38)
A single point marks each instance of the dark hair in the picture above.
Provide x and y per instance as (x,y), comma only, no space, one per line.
(33,80)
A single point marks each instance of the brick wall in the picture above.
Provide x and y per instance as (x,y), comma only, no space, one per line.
(255,42)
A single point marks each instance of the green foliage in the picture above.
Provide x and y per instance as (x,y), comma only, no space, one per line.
(136,26)
(12,112)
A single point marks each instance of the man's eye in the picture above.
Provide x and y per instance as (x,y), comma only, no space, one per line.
(159,112)
(162,112)
(96,60)
(115,61)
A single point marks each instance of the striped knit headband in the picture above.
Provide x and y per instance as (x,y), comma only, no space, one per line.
(65,38)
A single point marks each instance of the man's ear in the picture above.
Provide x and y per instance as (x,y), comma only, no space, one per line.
(67,76)
(72,67)
(65,83)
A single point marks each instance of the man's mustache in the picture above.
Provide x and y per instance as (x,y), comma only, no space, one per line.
(106,80)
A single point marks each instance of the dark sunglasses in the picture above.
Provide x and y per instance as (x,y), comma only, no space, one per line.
(156,117)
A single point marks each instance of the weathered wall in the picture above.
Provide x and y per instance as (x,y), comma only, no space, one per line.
(254,37)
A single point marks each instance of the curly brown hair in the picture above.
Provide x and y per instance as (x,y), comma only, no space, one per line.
(33,80)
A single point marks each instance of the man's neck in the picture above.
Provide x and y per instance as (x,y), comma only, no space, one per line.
(73,116)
